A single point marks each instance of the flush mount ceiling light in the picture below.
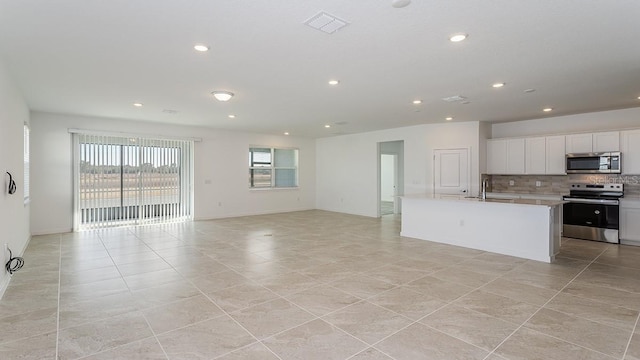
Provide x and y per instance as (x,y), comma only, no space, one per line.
(547,109)
(286,133)
(232,116)
(448,118)
(498,85)
(201,48)
(137,104)
(327,126)
(222,95)
(334,82)
(458,37)
(400,3)
(416,102)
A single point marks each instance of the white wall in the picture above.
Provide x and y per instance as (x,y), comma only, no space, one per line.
(347,166)
(596,121)
(14,214)
(221,156)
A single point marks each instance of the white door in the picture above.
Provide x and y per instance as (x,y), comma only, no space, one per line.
(388,177)
(451,171)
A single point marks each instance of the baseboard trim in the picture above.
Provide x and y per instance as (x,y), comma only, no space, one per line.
(51,231)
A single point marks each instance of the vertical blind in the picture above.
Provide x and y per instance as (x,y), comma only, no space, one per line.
(130,181)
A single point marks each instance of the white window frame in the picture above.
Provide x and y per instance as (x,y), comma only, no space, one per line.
(273,168)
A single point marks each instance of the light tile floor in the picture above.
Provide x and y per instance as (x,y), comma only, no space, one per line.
(313,285)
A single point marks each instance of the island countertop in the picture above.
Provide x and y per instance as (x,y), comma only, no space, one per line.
(455,197)
(525,228)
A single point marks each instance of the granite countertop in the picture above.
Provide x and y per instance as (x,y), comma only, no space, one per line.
(455,197)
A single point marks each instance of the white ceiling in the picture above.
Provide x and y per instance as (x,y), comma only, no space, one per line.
(96,58)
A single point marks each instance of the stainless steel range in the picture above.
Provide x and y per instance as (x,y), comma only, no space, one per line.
(592,212)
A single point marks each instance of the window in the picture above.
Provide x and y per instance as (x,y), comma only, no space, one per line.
(273,168)
(125,181)
(26,163)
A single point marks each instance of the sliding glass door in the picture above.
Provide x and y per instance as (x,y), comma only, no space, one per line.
(129,181)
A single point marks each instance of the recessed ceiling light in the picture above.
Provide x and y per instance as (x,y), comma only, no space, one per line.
(417,102)
(638,97)
(334,82)
(232,116)
(286,133)
(547,109)
(327,126)
(222,95)
(200,47)
(498,85)
(458,37)
(137,104)
(448,118)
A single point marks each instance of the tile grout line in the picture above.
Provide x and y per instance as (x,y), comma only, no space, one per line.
(59,293)
(545,304)
(635,326)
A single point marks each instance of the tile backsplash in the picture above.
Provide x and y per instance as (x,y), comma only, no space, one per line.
(559,184)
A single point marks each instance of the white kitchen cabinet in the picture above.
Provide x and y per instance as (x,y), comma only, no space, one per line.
(515,156)
(555,155)
(630,222)
(630,148)
(593,142)
(579,143)
(535,155)
(496,156)
(606,141)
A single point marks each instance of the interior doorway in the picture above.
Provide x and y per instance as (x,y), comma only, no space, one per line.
(390,177)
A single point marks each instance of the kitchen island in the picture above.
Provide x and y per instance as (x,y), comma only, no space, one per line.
(523,228)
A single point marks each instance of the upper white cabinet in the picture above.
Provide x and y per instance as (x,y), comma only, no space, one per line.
(515,156)
(555,151)
(606,141)
(496,156)
(535,155)
(579,143)
(505,156)
(630,149)
(593,142)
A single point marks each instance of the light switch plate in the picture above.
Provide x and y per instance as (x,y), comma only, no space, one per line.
(511,182)
(538,183)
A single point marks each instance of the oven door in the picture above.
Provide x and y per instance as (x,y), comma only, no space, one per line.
(591,219)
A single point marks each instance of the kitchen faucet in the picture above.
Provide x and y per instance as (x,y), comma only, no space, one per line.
(483,193)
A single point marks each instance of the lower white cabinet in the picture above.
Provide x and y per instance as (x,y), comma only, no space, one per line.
(630,221)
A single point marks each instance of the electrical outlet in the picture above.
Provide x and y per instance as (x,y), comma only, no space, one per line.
(511,182)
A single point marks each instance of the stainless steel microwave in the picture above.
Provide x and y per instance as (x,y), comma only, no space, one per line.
(594,163)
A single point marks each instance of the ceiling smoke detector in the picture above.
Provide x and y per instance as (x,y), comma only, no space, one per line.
(400,3)
(326,23)
(455,98)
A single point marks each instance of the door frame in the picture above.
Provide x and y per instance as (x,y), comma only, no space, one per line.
(398,175)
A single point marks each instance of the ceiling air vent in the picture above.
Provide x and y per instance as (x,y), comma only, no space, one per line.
(326,23)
